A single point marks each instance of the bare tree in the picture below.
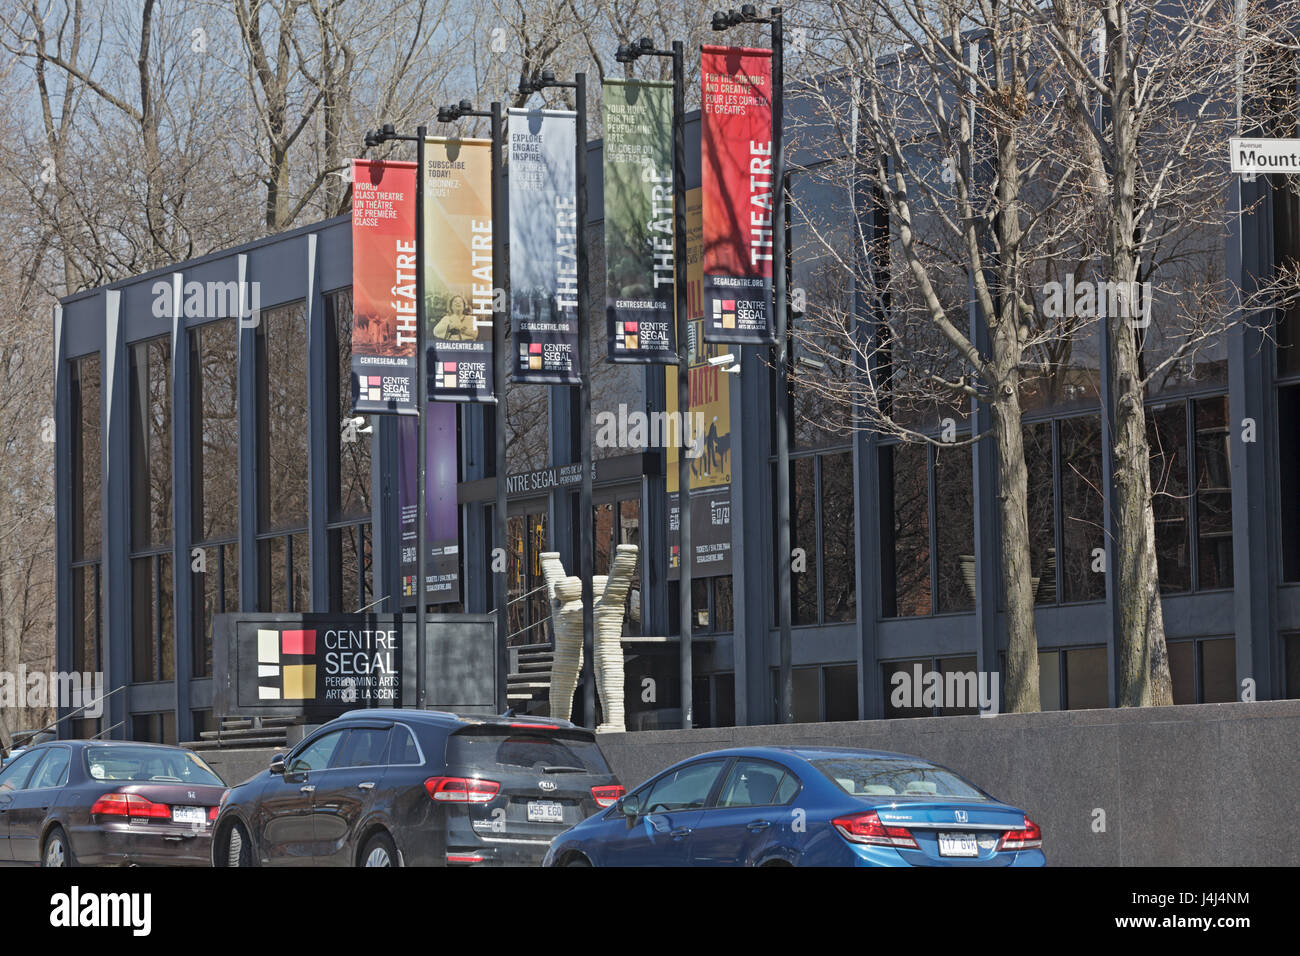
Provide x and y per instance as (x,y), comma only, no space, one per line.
(1154,90)
(947,126)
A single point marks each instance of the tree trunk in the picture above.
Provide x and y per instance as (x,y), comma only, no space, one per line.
(1142,662)
(1013,503)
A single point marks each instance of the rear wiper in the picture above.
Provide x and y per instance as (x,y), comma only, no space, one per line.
(564,770)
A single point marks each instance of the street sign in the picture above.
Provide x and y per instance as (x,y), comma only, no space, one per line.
(1265,155)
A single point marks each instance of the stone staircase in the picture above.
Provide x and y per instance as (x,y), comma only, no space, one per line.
(528,685)
(235,733)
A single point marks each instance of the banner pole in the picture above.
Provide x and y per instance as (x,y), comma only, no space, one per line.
(585,557)
(422,438)
(781,320)
(499,318)
(684,550)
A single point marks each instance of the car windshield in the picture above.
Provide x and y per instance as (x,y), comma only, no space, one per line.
(149,764)
(895,777)
(526,750)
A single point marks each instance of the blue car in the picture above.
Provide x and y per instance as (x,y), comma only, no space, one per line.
(803,806)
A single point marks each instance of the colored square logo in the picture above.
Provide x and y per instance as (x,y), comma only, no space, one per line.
(298,642)
(299,681)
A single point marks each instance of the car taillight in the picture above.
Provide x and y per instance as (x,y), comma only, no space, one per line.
(212,813)
(1030,838)
(461,789)
(130,805)
(867,828)
(607,796)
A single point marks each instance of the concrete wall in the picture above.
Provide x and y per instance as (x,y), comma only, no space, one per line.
(1210,784)
(1207,785)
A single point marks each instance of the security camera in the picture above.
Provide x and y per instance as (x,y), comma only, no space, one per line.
(727,359)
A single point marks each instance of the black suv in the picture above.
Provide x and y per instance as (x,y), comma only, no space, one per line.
(417,788)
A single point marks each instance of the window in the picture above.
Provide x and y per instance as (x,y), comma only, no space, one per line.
(893,776)
(284,556)
(684,789)
(916,482)
(1288,428)
(154,728)
(86,514)
(954,525)
(1086,684)
(1081,509)
(351,558)
(316,755)
(823,586)
(755,783)
(527,601)
(1167,440)
(153,632)
(402,749)
(822,693)
(905,530)
(364,747)
(17,771)
(214,379)
(1041,502)
(53,771)
(1213,493)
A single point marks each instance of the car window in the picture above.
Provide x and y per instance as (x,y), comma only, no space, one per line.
(517,749)
(684,789)
(364,748)
(896,777)
(15,774)
(141,762)
(53,772)
(317,754)
(402,748)
(753,783)
(790,785)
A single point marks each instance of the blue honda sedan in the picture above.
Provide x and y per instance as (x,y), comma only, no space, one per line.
(803,806)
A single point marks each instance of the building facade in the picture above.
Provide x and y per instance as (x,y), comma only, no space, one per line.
(208,462)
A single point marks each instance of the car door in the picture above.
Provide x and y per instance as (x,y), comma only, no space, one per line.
(31,805)
(13,778)
(344,793)
(749,811)
(285,810)
(660,834)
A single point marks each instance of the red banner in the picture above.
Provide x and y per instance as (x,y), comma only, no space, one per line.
(736,169)
(383,286)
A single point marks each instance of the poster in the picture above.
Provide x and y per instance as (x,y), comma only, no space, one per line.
(542,178)
(383,287)
(441,511)
(737,179)
(638,170)
(709,430)
(458,283)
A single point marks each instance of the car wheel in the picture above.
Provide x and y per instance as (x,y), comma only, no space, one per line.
(239,848)
(57,851)
(379,851)
(578,860)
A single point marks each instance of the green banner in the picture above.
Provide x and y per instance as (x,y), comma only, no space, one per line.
(638,167)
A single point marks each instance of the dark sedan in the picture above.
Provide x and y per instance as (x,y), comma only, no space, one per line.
(417,788)
(93,802)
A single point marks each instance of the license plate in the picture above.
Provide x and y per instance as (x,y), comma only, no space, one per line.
(545,811)
(189,815)
(958,844)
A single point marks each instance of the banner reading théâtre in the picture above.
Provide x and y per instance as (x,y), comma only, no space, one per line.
(638,167)
(736,175)
(543,246)
(383,287)
(458,284)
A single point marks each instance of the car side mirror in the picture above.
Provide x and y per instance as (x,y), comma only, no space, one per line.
(631,806)
(277,764)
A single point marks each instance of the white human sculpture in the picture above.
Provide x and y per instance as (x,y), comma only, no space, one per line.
(609,595)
